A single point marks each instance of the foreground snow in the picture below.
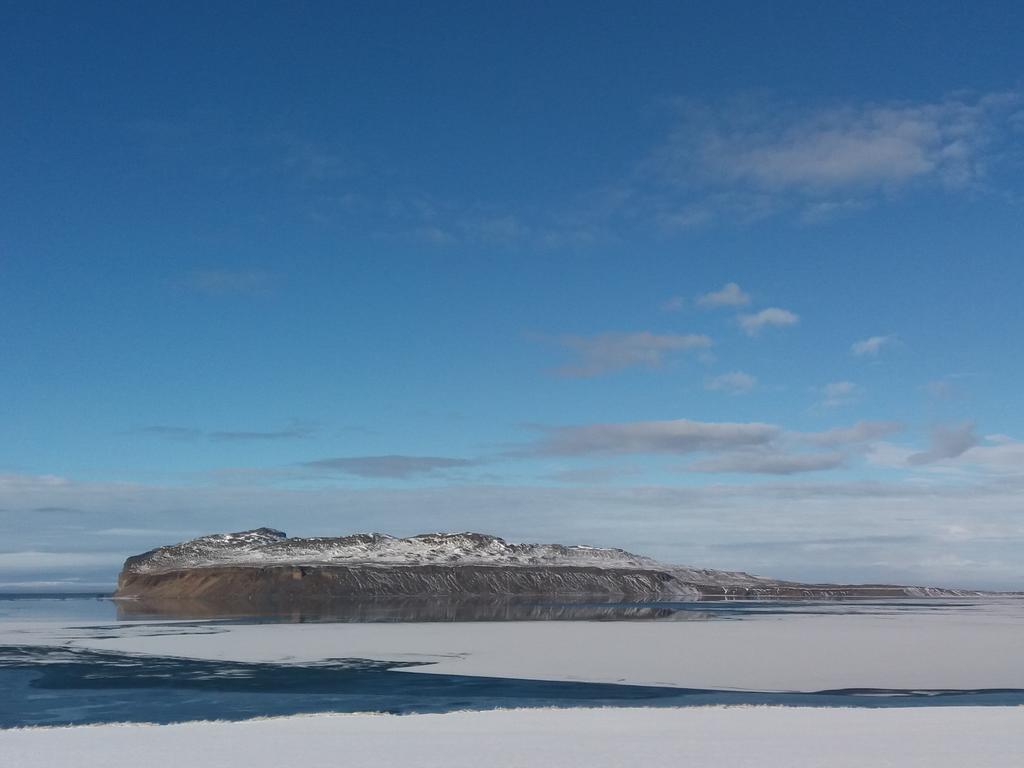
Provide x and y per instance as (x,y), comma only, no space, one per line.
(733,737)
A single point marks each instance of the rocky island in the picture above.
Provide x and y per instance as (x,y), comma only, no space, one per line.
(264,565)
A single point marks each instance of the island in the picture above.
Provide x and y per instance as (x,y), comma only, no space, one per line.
(264,565)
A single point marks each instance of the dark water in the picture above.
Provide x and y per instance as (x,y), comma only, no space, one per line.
(63,685)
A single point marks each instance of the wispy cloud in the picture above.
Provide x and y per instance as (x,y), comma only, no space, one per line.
(951,386)
(673,304)
(294,432)
(773,317)
(727,161)
(388,466)
(171,432)
(946,442)
(861,432)
(755,157)
(786,453)
(228,282)
(851,146)
(607,352)
(729,295)
(428,218)
(679,436)
(314,163)
(871,346)
(291,433)
(30,561)
(593,475)
(735,383)
(769,462)
(169,535)
(837,393)
(941,389)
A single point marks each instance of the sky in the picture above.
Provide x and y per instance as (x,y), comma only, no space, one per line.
(732,284)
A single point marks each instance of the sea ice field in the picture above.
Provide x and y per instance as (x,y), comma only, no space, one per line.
(71,661)
(872,682)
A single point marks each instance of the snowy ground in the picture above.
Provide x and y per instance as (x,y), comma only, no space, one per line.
(964,649)
(942,737)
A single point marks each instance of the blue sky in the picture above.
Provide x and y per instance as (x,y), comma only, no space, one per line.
(734,285)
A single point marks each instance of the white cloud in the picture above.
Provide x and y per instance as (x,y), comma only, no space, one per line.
(870,347)
(754,323)
(678,436)
(736,383)
(730,295)
(837,393)
(608,352)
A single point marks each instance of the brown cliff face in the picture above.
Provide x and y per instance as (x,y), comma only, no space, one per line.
(283,582)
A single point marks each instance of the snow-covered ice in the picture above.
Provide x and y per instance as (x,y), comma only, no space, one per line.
(976,646)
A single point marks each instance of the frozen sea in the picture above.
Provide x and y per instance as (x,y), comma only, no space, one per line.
(86,659)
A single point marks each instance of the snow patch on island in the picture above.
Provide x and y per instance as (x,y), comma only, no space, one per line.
(268,546)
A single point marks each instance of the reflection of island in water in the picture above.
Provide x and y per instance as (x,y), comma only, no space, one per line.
(397,609)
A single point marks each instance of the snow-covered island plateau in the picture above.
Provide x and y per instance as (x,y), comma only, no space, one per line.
(265,563)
